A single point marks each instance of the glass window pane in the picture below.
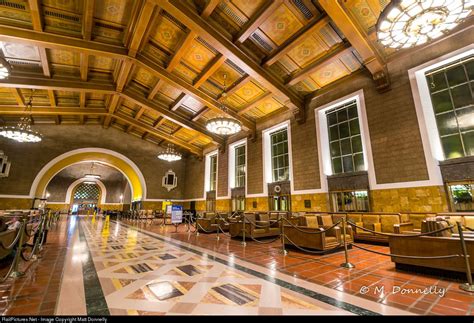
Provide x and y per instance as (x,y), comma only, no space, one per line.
(332,118)
(337,165)
(441,101)
(344,130)
(452,146)
(346,146)
(470,69)
(341,115)
(359,162)
(465,118)
(352,111)
(468,139)
(335,149)
(462,96)
(456,75)
(436,82)
(354,127)
(333,133)
(356,144)
(447,123)
(347,164)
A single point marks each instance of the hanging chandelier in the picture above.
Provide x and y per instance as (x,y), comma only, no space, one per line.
(22,132)
(223,125)
(409,23)
(91,175)
(170,154)
(5,68)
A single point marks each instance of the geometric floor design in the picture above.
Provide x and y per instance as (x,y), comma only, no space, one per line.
(142,275)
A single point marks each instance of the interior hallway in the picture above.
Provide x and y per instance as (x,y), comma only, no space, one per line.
(115,269)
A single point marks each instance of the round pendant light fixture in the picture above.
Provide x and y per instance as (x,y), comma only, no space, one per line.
(22,132)
(409,23)
(224,126)
(5,68)
(170,154)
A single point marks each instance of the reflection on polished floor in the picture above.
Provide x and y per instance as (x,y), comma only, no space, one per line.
(114,268)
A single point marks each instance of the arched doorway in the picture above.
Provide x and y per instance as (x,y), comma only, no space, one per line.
(85,199)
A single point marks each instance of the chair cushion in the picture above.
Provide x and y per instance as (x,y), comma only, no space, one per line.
(311,222)
(326,220)
(387,221)
(469,222)
(330,239)
(369,220)
(354,217)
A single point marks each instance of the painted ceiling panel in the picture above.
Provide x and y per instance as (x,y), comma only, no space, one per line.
(281,25)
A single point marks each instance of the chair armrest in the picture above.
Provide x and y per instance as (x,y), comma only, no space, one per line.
(399,227)
(261,224)
(333,232)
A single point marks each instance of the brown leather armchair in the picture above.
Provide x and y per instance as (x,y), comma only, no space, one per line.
(308,238)
(326,221)
(256,226)
(207,222)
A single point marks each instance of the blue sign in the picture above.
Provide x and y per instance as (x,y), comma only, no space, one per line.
(176,214)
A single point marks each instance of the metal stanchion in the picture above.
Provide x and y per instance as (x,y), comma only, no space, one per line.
(243,231)
(468,287)
(218,225)
(16,273)
(282,233)
(346,264)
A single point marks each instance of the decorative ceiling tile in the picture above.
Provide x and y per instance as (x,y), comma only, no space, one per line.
(144,77)
(168,34)
(101,63)
(362,11)
(116,11)
(169,91)
(281,25)
(231,75)
(74,6)
(198,56)
(310,49)
(249,92)
(248,7)
(21,51)
(329,72)
(58,56)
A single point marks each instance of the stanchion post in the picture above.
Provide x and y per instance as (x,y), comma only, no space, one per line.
(468,287)
(346,264)
(16,273)
(243,231)
(282,233)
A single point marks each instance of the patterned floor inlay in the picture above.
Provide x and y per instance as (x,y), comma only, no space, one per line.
(143,275)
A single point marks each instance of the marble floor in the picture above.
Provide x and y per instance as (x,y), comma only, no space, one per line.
(109,268)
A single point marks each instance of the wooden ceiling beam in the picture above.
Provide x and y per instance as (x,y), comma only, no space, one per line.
(41,83)
(114,102)
(155,89)
(139,113)
(160,134)
(181,51)
(82,119)
(178,102)
(36,16)
(199,115)
(237,85)
(147,12)
(210,69)
(334,54)
(138,99)
(193,21)
(55,41)
(84,66)
(297,39)
(18,97)
(57,120)
(187,88)
(211,5)
(372,61)
(255,103)
(258,18)
(124,75)
(44,61)
(52,98)
(47,111)
(159,122)
(88,19)
(82,99)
